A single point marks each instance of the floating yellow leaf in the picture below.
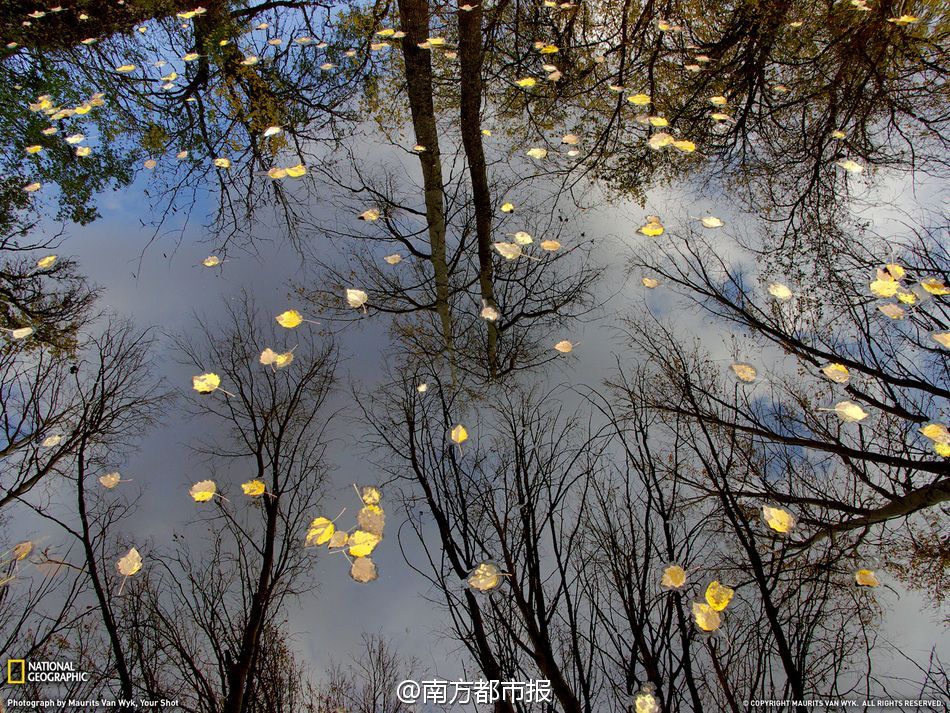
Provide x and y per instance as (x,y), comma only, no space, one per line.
(130,564)
(537,153)
(356,298)
(650,282)
(780,291)
(942,338)
(706,618)
(639,99)
(684,146)
(51,441)
(778,519)
(363,570)
(205,383)
(277,173)
(884,288)
(22,550)
(549,245)
(36,148)
(849,411)
(509,251)
(372,519)
(674,577)
(903,19)
(485,577)
(718,596)
(850,166)
(711,221)
(253,488)
(526,82)
(362,543)
(570,139)
(369,215)
(289,319)
(125,68)
(222,162)
(564,346)
(653,227)
(21,332)
(744,372)
(203,491)
(393,259)
(866,578)
(507,207)
(459,435)
(892,311)
(718,100)
(838,373)
(110,480)
(296,171)
(936,432)
(660,139)
(32,187)
(935,286)
(370,495)
(320,531)
(46,262)
(211,261)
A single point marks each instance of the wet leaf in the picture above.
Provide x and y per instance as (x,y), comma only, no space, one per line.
(363,570)
(289,319)
(778,519)
(718,596)
(459,435)
(564,346)
(206,383)
(130,564)
(706,618)
(674,577)
(110,480)
(866,578)
(362,543)
(320,531)
(253,488)
(485,577)
(837,373)
(203,491)
(356,298)
(744,372)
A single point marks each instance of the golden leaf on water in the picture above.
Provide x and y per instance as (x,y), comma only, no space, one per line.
(886,287)
(507,207)
(645,702)
(362,543)
(936,432)
(51,441)
(935,286)
(684,145)
(570,139)
(942,338)
(277,173)
(370,495)
(653,227)
(509,251)
(549,245)
(718,596)
(674,577)
(485,577)
(849,411)
(296,171)
(253,488)
(356,298)
(706,618)
(369,215)
(21,332)
(850,165)
(837,373)
(211,261)
(526,82)
(83,151)
(866,578)
(206,383)
(46,262)
(903,19)
(639,99)
(780,291)
(32,187)
(564,346)
(660,139)
(130,564)
(711,221)
(22,550)
(338,539)
(658,121)
(537,152)
(363,570)
(222,162)
(422,388)
(110,480)
(289,319)
(893,311)
(778,519)
(372,519)
(125,68)
(203,491)
(393,259)
(744,372)
(522,238)
(650,282)
(320,531)
(459,435)
(718,100)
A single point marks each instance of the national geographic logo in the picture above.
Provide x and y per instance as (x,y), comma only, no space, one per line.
(20,671)
(16,671)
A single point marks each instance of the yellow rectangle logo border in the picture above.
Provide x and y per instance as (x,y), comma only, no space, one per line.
(22,678)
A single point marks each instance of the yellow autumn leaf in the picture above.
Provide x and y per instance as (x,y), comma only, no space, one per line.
(549,245)
(222,162)
(942,338)
(660,139)
(485,577)
(362,543)
(564,346)
(744,372)
(866,578)
(296,171)
(21,332)
(684,146)
(849,411)
(706,618)
(711,221)
(22,550)
(837,373)
(850,166)
(203,491)
(125,68)
(370,495)
(211,261)
(509,251)
(892,311)
(130,564)
(936,432)
(356,298)
(206,383)
(320,531)
(718,596)
(253,488)
(289,319)
(371,518)
(674,577)
(653,227)
(46,262)
(935,286)
(778,519)
(459,435)
(650,282)
(639,99)
(884,288)
(507,207)
(780,291)
(110,480)
(538,153)
(526,82)
(369,215)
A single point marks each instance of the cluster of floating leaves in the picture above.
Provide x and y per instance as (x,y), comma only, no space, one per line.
(357,543)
